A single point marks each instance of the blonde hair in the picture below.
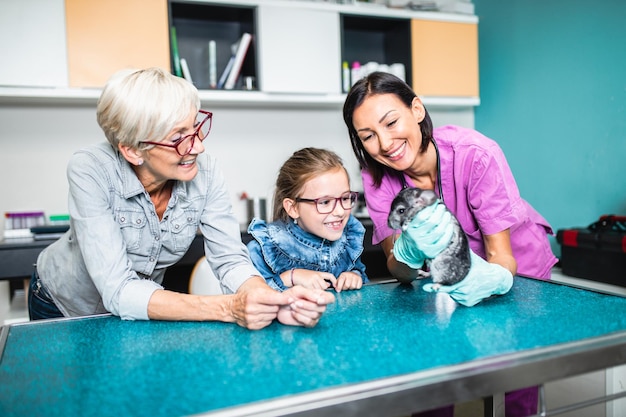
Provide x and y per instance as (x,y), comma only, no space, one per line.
(144,105)
(303,165)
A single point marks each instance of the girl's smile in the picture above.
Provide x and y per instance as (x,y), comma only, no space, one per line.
(331,184)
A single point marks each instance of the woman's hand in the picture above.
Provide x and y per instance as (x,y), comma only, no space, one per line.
(255,305)
(402,272)
(427,235)
(483,280)
(306,306)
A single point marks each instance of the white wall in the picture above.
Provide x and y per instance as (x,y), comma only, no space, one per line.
(36,143)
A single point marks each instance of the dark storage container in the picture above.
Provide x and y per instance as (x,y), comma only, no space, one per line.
(597,252)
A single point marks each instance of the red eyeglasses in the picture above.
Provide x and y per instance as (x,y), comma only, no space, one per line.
(326,205)
(184,145)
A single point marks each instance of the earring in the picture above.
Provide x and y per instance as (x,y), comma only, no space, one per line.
(139,162)
(295,221)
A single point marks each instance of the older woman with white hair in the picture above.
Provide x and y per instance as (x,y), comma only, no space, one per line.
(136,203)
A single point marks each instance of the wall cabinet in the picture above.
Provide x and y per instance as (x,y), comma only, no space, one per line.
(77,43)
(298,50)
(295,56)
(445,58)
(33,48)
(106,36)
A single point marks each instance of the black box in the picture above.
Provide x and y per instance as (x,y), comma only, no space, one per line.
(597,252)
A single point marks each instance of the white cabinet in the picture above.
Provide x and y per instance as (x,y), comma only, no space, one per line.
(58,43)
(296,54)
(298,50)
(33,48)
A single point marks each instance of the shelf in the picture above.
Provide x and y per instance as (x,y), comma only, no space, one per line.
(371,33)
(356,9)
(89,97)
(377,39)
(25,95)
(198,23)
(450,102)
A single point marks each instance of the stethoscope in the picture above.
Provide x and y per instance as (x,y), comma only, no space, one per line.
(439,187)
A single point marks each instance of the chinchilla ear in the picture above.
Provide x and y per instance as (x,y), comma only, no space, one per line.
(427,197)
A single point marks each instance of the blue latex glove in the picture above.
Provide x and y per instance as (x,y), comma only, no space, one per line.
(426,236)
(483,280)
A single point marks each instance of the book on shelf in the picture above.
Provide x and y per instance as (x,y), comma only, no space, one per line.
(212,64)
(239,49)
(175,56)
(185,69)
(229,65)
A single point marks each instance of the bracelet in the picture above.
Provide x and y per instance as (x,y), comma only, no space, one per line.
(291,276)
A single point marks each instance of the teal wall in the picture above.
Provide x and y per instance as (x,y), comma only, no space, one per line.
(553,95)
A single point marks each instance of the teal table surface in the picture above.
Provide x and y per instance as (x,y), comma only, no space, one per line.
(372,343)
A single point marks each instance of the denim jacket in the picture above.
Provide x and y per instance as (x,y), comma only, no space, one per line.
(280,246)
(115,254)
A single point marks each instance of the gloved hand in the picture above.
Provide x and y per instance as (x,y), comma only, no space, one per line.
(483,280)
(428,234)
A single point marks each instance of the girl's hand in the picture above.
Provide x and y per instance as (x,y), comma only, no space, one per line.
(314,280)
(348,281)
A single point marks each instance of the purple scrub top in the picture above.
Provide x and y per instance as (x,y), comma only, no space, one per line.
(479,188)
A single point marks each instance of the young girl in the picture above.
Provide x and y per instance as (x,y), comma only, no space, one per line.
(314,241)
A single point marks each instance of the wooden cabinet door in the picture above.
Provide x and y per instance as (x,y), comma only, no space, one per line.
(106,36)
(298,50)
(445,58)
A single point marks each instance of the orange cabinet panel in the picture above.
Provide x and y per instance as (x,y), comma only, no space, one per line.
(106,36)
(444,58)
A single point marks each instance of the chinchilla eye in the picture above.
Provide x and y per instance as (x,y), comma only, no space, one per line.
(401,211)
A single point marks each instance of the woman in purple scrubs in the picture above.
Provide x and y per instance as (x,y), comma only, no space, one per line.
(394,141)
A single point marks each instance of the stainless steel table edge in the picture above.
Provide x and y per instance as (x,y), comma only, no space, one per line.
(447,385)
(5,329)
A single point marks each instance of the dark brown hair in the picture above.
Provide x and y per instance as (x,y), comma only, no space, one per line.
(373,84)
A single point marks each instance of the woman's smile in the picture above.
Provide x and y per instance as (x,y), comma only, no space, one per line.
(398,153)
(188,163)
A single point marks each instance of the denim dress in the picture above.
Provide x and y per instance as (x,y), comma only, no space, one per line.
(280,246)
